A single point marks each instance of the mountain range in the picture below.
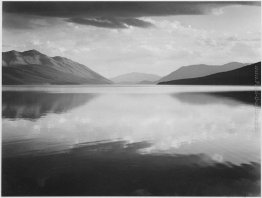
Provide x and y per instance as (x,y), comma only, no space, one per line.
(245,75)
(136,78)
(33,67)
(194,71)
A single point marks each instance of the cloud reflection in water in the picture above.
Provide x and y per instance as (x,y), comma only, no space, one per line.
(220,127)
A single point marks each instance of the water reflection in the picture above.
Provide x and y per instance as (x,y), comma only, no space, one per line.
(228,98)
(117,169)
(171,126)
(34,105)
(192,143)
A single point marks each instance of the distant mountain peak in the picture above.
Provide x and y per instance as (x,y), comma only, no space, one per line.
(135,78)
(13,52)
(233,62)
(31,52)
(138,73)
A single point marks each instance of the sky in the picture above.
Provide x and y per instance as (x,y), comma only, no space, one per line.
(113,38)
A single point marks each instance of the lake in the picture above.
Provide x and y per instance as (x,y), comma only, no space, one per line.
(131,141)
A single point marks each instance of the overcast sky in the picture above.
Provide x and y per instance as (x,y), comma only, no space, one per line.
(122,37)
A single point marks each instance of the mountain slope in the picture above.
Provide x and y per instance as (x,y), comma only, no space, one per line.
(33,67)
(194,71)
(246,75)
(135,78)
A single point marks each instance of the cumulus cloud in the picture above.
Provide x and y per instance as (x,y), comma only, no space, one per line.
(113,14)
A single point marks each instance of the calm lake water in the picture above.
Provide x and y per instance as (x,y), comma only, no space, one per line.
(140,140)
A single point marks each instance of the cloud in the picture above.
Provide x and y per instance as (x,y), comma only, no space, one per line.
(26,22)
(114,14)
(111,22)
(218,11)
(16,22)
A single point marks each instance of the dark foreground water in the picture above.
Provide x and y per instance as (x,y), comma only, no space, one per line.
(138,141)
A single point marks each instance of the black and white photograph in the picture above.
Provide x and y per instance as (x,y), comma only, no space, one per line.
(131,98)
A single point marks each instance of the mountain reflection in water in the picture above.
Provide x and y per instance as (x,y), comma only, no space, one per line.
(229,98)
(34,105)
(179,144)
